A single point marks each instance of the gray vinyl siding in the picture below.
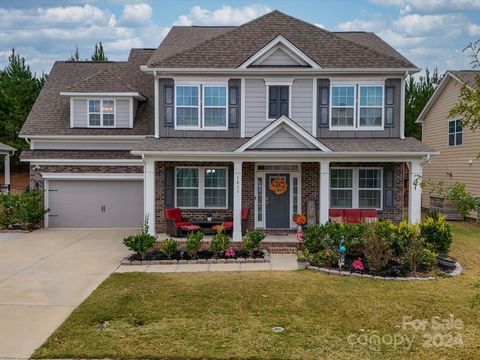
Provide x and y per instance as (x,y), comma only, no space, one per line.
(278,58)
(255,106)
(122,113)
(302,103)
(80,113)
(282,139)
(387,132)
(169,130)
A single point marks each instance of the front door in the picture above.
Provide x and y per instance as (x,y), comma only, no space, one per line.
(277,205)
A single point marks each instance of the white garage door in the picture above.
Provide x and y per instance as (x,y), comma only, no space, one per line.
(95,203)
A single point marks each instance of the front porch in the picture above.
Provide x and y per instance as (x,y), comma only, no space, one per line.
(220,189)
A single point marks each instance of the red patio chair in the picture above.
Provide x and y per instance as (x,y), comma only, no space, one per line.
(353,216)
(228,225)
(175,222)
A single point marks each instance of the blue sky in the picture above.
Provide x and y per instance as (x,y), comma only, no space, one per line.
(429,32)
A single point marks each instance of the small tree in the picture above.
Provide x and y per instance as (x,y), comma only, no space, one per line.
(75,56)
(98,53)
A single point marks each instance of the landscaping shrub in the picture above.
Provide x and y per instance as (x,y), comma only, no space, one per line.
(428,259)
(141,242)
(169,247)
(193,243)
(377,249)
(325,258)
(317,237)
(220,242)
(23,210)
(436,232)
(252,240)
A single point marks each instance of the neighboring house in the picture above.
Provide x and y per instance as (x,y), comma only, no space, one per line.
(208,120)
(458,146)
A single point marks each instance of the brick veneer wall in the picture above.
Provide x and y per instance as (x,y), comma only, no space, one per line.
(200,214)
(310,186)
(395,215)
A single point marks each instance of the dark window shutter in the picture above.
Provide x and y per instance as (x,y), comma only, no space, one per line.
(389,106)
(169,198)
(230,187)
(278,101)
(323,102)
(233,102)
(168,102)
(388,188)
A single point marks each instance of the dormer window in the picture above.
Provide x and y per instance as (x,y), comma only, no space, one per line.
(101,113)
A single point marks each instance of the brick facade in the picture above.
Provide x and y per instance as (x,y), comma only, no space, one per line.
(310,187)
(395,215)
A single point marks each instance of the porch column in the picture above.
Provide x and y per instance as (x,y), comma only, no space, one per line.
(237,201)
(324,198)
(415,192)
(149,194)
(7,171)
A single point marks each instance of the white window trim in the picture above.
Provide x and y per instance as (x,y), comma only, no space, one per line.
(227,99)
(186,127)
(201,105)
(356,184)
(201,187)
(330,106)
(381,127)
(356,106)
(101,113)
(455,132)
(271,82)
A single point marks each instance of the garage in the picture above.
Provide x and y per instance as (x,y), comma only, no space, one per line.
(95,203)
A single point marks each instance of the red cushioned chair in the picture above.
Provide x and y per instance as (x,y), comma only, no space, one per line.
(352,216)
(336,212)
(175,222)
(228,225)
(372,213)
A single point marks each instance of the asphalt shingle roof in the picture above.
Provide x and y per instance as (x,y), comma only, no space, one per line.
(467,76)
(50,114)
(230,48)
(76,154)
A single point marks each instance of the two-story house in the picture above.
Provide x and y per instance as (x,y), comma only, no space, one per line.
(277,116)
(458,146)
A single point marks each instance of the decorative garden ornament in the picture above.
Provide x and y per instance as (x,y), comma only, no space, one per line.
(278,186)
(358,265)
(342,250)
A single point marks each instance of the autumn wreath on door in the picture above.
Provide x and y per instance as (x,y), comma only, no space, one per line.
(278,186)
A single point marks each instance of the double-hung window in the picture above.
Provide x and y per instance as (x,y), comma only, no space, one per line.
(187,108)
(371,106)
(343,107)
(370,188)
(201,187)
(356,107)
(341,188)
(101,113)
(455,133)
(356,188)
(201,107)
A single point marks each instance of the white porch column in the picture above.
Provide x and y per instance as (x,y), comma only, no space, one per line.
(7,171)
(237,201)
(415,192)
(324,201)
(149,194)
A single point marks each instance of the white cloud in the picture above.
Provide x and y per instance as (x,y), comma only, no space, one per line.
(360,25)
(226,15)
(431,6)
(473,29)
(421,25)
(136,14)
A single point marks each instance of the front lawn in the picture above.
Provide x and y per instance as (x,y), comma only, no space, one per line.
(231,315)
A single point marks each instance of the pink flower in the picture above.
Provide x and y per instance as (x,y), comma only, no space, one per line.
(299,236)
(230,253)
(357,264)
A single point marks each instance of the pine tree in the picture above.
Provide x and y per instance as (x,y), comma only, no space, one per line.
(98,53)
(75,56)
(417,94)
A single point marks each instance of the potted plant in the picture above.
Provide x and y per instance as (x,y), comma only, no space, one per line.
(446,261)
(303,258)
(300,220)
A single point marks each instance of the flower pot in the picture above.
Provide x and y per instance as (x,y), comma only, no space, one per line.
(445,261)
(302,265)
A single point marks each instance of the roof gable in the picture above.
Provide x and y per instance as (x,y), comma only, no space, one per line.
(283,133)
(232,48)
(279,52)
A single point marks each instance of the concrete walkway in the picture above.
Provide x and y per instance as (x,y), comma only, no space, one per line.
(277,262)
(46,274)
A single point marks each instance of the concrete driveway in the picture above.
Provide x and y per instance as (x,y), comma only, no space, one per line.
(46,274)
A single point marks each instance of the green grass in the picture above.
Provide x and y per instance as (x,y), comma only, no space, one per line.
(231,315)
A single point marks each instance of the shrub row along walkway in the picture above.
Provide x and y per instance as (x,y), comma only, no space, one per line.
(277,262)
